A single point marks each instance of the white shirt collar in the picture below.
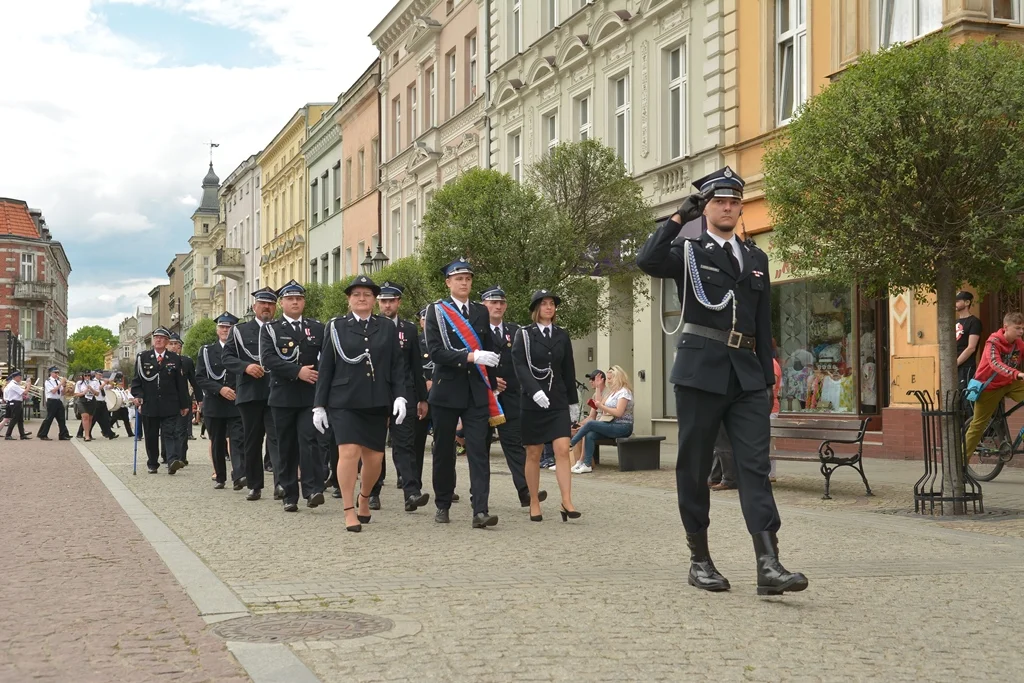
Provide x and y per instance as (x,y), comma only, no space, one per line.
(355,316)
(260,322)
(290,321)
(721,241)
(222,344)
(500,326)
(460,304)
(543,327)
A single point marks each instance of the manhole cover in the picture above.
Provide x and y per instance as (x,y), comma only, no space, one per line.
(990,514)
(287,628)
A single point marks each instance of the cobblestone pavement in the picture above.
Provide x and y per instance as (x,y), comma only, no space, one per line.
(83,596)
(605,597)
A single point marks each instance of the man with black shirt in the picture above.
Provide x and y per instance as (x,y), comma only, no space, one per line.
(968,334)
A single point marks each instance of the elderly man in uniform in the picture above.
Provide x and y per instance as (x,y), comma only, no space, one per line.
(723,373)
(161,394)
(219,410)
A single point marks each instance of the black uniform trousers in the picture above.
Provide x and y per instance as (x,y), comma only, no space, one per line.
(722,471)
(745,416)
(225,430)
(257,423)
(298,449)
(163,431)
(422,431)
(474,426)
(121,415)
(403,451)
(510,436)
(185,429)
(54,411)
(17,416)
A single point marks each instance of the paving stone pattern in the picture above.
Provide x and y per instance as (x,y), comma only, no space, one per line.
(83,596)
(605,597)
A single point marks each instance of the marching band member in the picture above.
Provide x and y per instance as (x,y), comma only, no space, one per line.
(461,346)
(361,382)
(542,353)
(161,394)
(54,392)
(242,356)
(85,395)
(291,352)
(219,410)
(14,394)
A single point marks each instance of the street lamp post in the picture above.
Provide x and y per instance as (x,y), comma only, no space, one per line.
(379,260)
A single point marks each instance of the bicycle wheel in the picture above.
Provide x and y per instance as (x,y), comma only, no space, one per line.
(987,460)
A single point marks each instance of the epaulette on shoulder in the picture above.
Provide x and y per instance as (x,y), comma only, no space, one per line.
(691,238)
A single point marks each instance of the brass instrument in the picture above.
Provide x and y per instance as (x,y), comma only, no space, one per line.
(36,390)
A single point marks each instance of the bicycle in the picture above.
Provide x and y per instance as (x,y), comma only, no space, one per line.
(995,448)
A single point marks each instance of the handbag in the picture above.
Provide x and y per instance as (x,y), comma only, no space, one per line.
(974,388)
(605,418)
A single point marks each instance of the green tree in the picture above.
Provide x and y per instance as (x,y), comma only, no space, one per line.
(906,173)
(86,354)
(201,333)
(94,332)
(419,286)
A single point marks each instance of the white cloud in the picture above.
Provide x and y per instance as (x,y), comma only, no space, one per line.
(107,304)
(105,224)
(189,200)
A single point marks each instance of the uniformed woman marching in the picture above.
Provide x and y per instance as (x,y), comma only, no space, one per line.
(542,355)
(360,384)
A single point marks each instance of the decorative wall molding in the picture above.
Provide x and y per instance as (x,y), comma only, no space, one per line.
(645,147)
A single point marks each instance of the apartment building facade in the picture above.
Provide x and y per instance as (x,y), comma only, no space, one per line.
(238,262)
(322,152)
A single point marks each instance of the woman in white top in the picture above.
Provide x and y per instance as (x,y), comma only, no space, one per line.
(85,394)
(611,418)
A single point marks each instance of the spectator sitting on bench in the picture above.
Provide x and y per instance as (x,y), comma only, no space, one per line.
(611,418)
(597,381)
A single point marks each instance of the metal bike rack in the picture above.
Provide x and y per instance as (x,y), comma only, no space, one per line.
(930,492)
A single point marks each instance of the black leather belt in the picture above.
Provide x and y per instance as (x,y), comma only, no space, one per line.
(734,340)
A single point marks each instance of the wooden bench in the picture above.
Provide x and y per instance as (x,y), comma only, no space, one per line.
(635,452)
(829,432)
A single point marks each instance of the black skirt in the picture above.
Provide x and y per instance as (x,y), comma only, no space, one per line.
(367,428)
(543,426)
(87,407)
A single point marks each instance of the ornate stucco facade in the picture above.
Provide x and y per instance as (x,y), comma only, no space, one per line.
(238,262)
(203,289)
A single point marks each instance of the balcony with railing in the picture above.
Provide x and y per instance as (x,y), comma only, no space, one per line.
(228,262)
(39,347)
(25,290)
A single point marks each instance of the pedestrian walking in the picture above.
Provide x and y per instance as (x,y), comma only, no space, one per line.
(14,395)
(544,365)
(360,385)
(161,395)
(53,390)
(188,368)
(722,373)
(219,410)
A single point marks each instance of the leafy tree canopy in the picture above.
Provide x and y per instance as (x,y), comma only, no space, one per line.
(201,333)
(324,302)
(94,332)
(86,354)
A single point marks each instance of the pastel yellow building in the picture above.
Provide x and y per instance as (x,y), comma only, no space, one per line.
(283,235)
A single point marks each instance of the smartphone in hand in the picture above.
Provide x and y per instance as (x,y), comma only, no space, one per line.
(592,403)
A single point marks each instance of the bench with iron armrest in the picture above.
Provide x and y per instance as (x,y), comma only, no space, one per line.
(635,452)
(849,432)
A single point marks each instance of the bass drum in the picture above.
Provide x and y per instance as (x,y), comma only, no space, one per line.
(116,399)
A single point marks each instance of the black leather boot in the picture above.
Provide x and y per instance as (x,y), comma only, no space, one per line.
(703,574)
(772,577)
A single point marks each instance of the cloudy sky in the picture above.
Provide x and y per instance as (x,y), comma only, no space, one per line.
(105,106)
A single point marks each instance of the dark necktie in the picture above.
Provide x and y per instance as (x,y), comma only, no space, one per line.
(497,334)
(465,311)
(732,257)
(547,333)
(296,325)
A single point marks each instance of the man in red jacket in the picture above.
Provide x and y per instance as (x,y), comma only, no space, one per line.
(1001,362)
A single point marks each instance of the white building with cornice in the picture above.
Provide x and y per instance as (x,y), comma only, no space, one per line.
(432,93)
(238,262)
(323,151)
(650,79)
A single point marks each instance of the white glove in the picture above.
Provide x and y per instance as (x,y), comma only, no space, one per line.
(488,358)
(541,399)
(399,410)
(320,420)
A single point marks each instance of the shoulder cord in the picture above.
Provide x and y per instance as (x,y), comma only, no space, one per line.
(241,345)
(691,274)
(209,369)
(538,374)
(341,352)
(444,329)
(291,358)
(140,373)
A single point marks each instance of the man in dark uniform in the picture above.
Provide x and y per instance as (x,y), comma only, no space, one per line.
(219,410)
(403,436)
(242,356)
(161,394)
(723,373)
(291,352)
(461,391)
(188,368)
(509,433)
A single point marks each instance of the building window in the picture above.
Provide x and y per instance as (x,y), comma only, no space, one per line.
(791,57)
(394,59)
(413,113)
(515,155)
(325,198)
(337,187)
(206,270)
(206,228)
(516,26)
(1009,10)
(375,162)
(396,138)
(471,69)
(903,20)
(28,323)
(349,268)
(620,120)
(324,273)
(348,180)
(428,112)
(314,210)
(583,122)
(552,14)
(396,232)
(410,222)
(361,158)
(28,267)
(336,263)
(313,272)
(676,102)
(451,84)
(549,125)
(449,7)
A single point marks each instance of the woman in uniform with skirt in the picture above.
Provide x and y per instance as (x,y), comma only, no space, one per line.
(358,388)
(542,356)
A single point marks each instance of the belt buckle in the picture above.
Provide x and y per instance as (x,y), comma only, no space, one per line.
(735,339)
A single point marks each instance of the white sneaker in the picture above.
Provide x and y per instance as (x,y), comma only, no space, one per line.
(575,468)
(584,469)
(552,468)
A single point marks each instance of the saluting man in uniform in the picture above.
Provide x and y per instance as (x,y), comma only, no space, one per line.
(460,344)
(161,395)
(219,410)
(510,433)
(403,436)
(188,368)
(291,352)
(722,373)
(242,356)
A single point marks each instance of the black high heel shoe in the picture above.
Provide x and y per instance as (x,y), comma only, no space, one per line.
(536,518)
(363,519)
(569,514)
(355,527)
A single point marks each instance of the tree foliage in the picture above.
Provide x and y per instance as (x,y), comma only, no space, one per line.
(86,354)
(201,333)
(324,302)
(94,332)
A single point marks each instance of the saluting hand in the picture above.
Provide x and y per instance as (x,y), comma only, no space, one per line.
(308,374)
(693,206)
(254,370)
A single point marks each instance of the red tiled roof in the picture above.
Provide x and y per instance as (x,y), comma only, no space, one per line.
(15,220)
